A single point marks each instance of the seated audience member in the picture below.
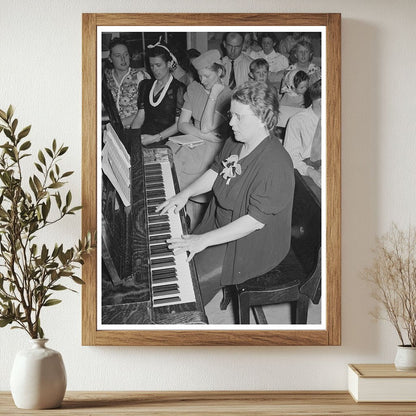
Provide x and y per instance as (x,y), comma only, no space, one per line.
(204,115)
(303,133)
(160,100)
(246,229)
(277,61)
(250,45)
(302,56)
(288,43)
(236,63)
(259,71)
(293,89)
(123,81)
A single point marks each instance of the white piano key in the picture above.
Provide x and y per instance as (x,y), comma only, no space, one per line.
(186,290)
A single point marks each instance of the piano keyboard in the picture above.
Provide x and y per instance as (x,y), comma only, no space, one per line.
(170,273)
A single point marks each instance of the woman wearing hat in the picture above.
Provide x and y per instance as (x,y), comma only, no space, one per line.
(160,100)
(204,116)
(246,229)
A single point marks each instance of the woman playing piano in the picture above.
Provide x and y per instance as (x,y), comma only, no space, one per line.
(246,229)
(160,100)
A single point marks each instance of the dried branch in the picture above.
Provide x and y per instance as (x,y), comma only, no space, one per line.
(393,277)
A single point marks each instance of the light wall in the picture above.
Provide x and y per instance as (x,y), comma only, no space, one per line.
(40,74)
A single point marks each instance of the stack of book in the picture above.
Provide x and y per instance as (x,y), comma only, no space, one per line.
(381,383)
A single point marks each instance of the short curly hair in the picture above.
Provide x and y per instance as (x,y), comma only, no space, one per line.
(262,100)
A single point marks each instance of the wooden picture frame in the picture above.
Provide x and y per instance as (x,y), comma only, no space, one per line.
(331,334)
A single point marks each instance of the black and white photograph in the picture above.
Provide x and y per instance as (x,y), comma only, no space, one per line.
(211,169)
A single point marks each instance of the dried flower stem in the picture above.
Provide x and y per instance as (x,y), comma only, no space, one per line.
(393,276)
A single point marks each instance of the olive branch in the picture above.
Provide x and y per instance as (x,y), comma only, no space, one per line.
(31,274)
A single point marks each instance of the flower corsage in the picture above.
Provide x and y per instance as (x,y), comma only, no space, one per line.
(231,168)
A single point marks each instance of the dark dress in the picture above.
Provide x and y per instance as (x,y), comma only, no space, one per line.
(162,116)
(264,190)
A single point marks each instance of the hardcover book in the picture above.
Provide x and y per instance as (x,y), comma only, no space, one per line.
(381,383)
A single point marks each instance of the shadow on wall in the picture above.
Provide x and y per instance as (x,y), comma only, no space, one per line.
(361,55)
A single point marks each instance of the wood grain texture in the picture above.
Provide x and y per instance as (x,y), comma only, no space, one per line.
(330,336)
(333,143)
(180,403)
(380,371)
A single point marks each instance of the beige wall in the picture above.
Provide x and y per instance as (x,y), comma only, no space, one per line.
(40,73)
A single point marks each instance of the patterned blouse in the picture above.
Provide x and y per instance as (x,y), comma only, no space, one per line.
(125,93)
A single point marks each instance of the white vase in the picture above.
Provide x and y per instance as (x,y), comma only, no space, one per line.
(38,377)
(405,358)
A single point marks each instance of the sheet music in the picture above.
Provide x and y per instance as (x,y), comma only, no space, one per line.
(115,163)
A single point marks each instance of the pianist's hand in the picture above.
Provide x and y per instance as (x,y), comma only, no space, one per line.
(178,202)
(192,244)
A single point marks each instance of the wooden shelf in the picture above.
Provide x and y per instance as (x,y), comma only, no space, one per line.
(178,403)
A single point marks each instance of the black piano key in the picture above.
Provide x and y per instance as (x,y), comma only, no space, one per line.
(159,238)
(167,260)
(171,271)
(155,201)
(158,218)
(166,288)
(154,185)
(153,171)
(159,228)
(165,279)
(164,262)
(164,301)
(155,193)
(160,250)
(153,179)
(153,165)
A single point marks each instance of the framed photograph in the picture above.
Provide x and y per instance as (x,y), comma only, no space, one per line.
(242,113)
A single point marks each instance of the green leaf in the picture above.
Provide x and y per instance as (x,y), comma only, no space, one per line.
(5,321)
(24,132)
(69,173)
(39,168)
(45,211)
(54,145)
(77,208)
(58,199)
(63,150)
(14,125)
(51,302)
(44,253)
(59,287)
(78,280)
(10,112)
(56,185)
(8,133)
(40,332)
(3,115)
(49,151)
(37,183)
(25,145)
(68,199)
(41,157)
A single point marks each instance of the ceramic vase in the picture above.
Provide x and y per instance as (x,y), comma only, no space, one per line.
(38,377)
(405,358)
